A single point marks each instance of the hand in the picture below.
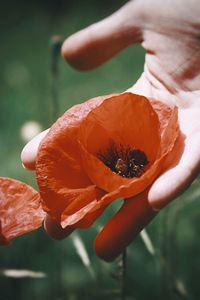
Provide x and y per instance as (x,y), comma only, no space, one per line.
(169,32)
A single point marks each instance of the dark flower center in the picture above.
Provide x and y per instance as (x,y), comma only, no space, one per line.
(126,162)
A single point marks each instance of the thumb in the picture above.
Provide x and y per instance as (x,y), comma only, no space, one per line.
(92,46)
(29,152)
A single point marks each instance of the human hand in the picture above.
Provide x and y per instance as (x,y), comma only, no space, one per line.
(169,32)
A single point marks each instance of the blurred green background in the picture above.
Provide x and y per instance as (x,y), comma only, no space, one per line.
(164,262)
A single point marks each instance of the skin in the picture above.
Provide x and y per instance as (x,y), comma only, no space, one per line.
(169,31)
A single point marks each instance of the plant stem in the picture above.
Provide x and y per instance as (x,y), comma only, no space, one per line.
(56,42)
(122,265)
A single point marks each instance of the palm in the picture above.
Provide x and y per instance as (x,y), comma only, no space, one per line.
(169,32)
(184,166)
(171,75)
(170,36)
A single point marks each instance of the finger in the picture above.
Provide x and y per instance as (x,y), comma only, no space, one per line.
(54,229)
(121,229)
(29,153)
(94,45)
(179,175)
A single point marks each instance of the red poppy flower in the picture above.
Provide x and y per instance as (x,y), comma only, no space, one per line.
(20,210)
(106,148)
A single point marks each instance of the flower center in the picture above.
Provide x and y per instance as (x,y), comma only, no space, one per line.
(126,162)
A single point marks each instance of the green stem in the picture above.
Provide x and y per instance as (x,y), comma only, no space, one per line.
(123,279)
(122,274)
(56,42)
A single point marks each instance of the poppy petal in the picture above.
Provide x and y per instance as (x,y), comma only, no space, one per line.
(102,122)
(20,209)
(91,216)
(60,175)
(163,112)
(127,119)
(76,212)
(134,187)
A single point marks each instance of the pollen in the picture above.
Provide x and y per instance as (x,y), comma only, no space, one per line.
(124,161)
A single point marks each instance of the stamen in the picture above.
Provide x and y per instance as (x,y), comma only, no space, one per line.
(121,166)
(126,162)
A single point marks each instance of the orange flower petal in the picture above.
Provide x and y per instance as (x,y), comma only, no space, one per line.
(134,187)
(164,113)
(60,175)
(20,209)
(127,119)
(80,205)
(91,216)
(139,129)
(84,216)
